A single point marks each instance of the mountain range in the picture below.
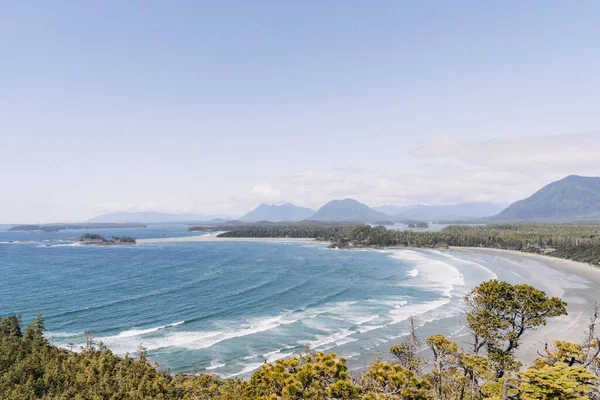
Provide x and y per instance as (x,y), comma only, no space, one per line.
(574,198)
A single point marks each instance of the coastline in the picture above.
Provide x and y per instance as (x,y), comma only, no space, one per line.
(580,298)
(215,238)
(580,294)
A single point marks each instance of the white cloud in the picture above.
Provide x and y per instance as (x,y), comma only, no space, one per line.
(449,171)
(557,153)
(441,170)
(265,193)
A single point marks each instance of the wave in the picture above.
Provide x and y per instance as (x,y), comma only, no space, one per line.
(60,245)
(330,324)
(277,355)
(437,274)
(63,335)
(469,262)
(215,366)
(247,369)
(141,332)
(128,341)
(321,342)
(137,297)
(412,310)
(413,273)
(20,242)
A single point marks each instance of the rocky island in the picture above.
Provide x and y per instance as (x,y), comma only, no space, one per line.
(93,239)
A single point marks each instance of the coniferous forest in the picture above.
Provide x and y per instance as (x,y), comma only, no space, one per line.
(573,242)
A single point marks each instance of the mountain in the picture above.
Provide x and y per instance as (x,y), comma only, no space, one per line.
(451,212)
(570,199)
(274,213)
(348,210)
(149,217)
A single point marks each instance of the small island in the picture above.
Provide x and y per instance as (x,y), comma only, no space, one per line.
(93,239)
(423,225)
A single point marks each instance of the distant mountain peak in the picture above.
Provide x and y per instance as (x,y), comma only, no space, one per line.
(277,213)
(348,210)
(572,198)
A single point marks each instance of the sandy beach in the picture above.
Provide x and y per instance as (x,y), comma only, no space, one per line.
(576,283)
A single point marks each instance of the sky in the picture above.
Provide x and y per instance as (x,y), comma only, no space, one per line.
(216,107)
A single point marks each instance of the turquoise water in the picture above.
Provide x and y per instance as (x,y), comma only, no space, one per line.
(226,307)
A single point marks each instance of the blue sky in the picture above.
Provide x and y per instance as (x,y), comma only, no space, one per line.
(216,107)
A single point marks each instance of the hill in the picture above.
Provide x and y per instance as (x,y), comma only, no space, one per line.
(275,213)
(348,210)
(450,212)
(570,199)
(149,217)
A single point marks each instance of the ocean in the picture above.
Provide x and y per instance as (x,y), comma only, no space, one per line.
(227,307)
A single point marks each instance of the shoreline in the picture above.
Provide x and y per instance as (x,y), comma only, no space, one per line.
(215,238)
(580,299)
(580,292)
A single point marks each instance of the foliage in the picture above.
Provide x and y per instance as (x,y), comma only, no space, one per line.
(123,239)
(392,381)
(406,353)
(500,313)
(318,376)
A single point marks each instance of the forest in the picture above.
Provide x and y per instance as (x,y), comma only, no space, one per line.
(498,315)
(569,241)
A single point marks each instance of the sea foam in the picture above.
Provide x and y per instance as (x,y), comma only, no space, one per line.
(434,273)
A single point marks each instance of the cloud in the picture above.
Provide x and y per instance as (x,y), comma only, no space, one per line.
(439,170)
(265,193)
(447,170)
(556,154)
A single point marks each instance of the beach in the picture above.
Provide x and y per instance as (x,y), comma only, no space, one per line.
(576,283)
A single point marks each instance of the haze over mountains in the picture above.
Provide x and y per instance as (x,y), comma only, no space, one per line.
(573,198)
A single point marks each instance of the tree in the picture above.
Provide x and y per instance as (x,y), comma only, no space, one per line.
(10,327)
(498,314)
(557,382)
(456,374)
(35,330)
(318,376)
(393,381)
(407,353)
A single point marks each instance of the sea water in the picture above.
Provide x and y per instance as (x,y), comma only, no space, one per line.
(228,307)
